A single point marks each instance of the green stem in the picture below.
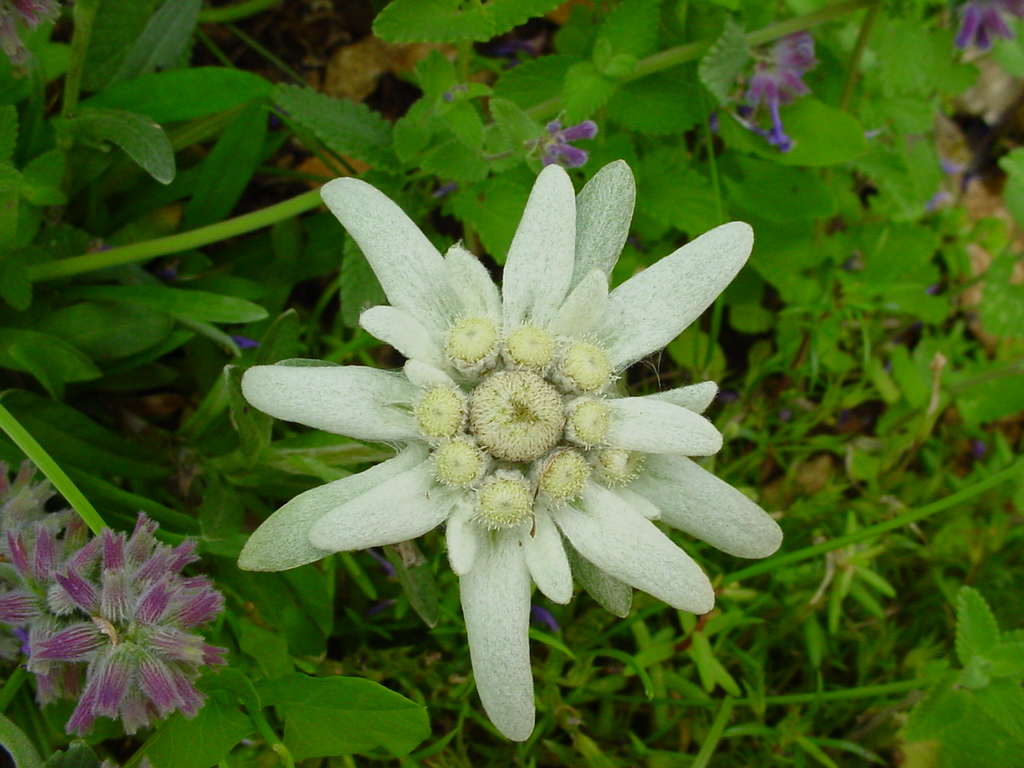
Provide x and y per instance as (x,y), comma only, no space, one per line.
(38,455)
(707,749)
(271,738)
(11,687)
(84,15)
(237,11)
(852,73)
(908,517)
(127,254)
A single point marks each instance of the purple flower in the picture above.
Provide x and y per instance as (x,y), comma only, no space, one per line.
(17,14)
(778,79)
(555,143)
(983,21)
(244,342)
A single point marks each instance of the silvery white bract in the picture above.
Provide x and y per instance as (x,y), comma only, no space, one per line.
(514,433)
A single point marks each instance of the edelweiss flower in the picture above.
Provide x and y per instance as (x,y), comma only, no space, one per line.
(516,435)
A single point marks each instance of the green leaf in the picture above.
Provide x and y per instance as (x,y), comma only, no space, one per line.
(585,91)
(10,195)
(1007,660)
(164,42)
(822,135)
(8,132)
(15,284)
(207,738)
(268,648)
(515,124)
(108,331)
(1003,701)
(454,160)
(184,94)
(435,21)
(329,716)
(720,66)
(143,140)
(941,708)
(632,27)
(358,287)
(43,179)
(1013,192)
(533,82)
(344,126)
(77,755)
(117,24)
(508,14)
(417,579)
(195,305)
(253,425)
(19,747)
(52,361)
(664,104)
(780,194)
(228,168)
(485,208)
(674,193)
(976,628)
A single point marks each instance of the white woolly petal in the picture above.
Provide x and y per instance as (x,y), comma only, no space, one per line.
(604,209)
(638,502)
(496,606)
(618,540)
(409,268)
(540,260)
(653,426)
(651,308)
(475,290)
(583,307)
(282,541)
(398,509)
(613,595)
(364,403)
(462,536)
(694,500)
(546,559)
(695,397)
(403,332)
(426,376)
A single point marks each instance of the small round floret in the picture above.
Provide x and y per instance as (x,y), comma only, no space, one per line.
(563,475)
(471,340)
(504,500)
(459,462)
(530,347)
(588,423)
(586,366)
(441,412)
(617,466)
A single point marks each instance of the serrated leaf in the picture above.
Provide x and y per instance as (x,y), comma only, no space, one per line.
(720,66)
(184,94)
(1003,701)
(941,708)
(344,126)
(77,755)
(632,27)
(454,160)
(1006,660)
(433,21)
(143,140)
(43,179)
(358,287)
(532,82)
(165,38)
(329,716)
(585,91)
(976,629)
(484,208)
(8,132)
(508,14)
(18,746)
(10,196)
(464,121)
(515,124)
(780,194)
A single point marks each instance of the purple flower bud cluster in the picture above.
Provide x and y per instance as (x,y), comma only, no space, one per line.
(554,144)
(983,21)
(16,14)
(777,80)
(110,621)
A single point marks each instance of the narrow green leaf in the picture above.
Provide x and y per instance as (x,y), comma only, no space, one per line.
(8,132)
(15,284)
(183,94)
(434,21)
(253,425)
(197,305)
(52,361)
(19,747)
(329,716)
(118,23)
(358,287)
(344,126)
(163,42)
(143,140)
(976,628)
(728,57)
(417,579)
(228,168)
(109,330)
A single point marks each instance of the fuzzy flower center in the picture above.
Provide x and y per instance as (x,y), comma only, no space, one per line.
(472,339)
(516,415)
(504,501)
